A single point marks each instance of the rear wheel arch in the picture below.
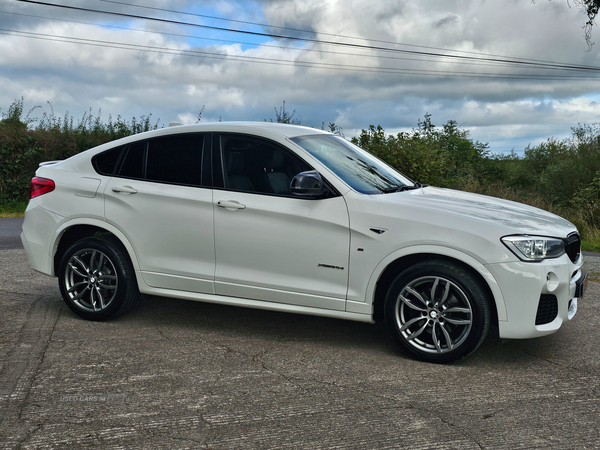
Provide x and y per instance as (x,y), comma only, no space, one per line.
(74,233)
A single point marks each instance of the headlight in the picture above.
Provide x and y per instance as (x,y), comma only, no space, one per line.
(534,248)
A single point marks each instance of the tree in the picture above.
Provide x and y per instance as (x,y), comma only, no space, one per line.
(590,8)
(284,116)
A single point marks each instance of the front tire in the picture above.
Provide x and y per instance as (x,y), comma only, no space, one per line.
(437,311)
(96,278)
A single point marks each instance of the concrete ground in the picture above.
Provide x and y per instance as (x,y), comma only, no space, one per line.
(10,230)
(178,374)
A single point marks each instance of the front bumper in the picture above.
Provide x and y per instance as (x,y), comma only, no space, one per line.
(539,297)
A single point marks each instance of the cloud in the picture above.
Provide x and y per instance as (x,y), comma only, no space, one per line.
(448,20)
(353,87)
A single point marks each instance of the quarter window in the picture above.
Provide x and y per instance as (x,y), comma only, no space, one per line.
(133,164)
(105,163)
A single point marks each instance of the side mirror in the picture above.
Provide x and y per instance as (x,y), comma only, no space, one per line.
(307,184)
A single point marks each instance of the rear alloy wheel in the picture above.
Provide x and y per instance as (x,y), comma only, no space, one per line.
(438,311)
(96,278)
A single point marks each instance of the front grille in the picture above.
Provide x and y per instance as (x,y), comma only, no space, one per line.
(547,309)
(573,246)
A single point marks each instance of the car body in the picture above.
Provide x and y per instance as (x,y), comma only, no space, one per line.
(289,218)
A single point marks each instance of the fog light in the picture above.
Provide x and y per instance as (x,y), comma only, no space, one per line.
(551,281)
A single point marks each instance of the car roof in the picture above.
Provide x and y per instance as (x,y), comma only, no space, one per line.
(265,129)
(282,129)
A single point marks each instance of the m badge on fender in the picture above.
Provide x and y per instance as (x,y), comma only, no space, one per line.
(330,266)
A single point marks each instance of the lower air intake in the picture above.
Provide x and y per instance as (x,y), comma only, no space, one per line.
(547,309)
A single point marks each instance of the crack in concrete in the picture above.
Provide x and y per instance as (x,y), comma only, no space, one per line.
(396,404)
(20,294)
(569,367)
(42,359)
(203,443)
(448,422)
(24,362)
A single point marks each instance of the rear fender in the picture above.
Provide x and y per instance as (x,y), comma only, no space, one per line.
(60,231)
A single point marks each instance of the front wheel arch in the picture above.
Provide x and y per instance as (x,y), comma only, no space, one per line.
(394,268)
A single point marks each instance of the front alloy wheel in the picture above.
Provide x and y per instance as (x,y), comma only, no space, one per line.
(437,311)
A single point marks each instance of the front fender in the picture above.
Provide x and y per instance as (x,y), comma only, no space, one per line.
(435,250)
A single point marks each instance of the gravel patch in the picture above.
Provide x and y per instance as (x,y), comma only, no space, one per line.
(591,264)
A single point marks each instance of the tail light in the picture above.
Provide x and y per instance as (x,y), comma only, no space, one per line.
(40,186)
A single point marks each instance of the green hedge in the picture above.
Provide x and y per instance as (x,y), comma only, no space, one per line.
(562,176)
(26,141)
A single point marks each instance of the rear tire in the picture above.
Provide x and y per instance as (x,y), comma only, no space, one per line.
(96,278)
(437,311)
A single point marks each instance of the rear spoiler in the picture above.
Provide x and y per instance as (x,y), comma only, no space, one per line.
(49,163)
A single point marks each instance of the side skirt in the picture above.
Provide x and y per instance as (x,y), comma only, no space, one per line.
(257,304)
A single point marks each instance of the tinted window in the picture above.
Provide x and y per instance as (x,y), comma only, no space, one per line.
(257,165)
(133,164)
(175,159)
(105,162)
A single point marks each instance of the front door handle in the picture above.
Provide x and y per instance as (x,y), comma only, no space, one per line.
(230,204)
(124,189)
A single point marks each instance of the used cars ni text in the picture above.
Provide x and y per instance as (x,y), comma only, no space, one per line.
(289,218)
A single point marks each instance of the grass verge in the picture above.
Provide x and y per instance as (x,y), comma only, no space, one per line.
(12,208)
(590,246)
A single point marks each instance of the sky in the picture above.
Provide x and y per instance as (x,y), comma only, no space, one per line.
(510,72)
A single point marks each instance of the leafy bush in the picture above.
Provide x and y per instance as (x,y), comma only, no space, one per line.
(443,157)
(587,201)
(27,141)
(562,176)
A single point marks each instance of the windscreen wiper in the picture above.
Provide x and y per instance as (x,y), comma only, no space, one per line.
(407,188)
(404,187)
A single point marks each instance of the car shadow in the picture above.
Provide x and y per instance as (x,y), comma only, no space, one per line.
(197,320)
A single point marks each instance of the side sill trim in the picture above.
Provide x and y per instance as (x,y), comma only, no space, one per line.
(258,304)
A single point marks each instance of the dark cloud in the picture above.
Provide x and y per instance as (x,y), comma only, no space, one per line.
(449,19)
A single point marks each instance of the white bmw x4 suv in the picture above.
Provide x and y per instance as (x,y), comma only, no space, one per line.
(294,219)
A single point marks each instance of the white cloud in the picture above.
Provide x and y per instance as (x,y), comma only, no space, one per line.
(75,77)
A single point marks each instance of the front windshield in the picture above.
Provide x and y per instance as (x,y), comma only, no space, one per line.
(356,167)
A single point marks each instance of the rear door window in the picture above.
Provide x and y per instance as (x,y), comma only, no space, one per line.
(174,159)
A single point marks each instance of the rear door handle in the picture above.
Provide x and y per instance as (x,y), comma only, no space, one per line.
(124,189)
(230,204)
